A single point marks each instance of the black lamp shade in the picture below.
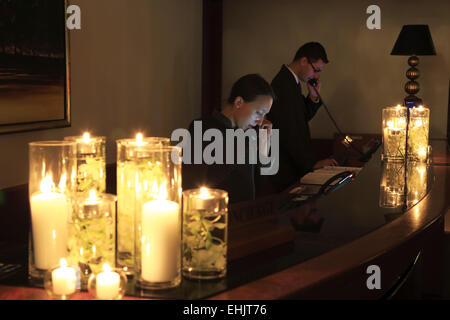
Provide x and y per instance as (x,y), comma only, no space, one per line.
(414,39)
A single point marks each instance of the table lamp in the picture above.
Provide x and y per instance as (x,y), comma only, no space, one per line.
(413,40)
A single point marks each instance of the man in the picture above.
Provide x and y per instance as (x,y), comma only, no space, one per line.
(292,111)
(250,100)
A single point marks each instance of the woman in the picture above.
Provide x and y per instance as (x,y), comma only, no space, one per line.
(250,100)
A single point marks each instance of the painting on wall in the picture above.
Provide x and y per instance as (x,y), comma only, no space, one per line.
(34,68)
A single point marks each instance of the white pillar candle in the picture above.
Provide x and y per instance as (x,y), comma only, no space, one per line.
(64,279)
(107,284)
(161,234)
(49,213)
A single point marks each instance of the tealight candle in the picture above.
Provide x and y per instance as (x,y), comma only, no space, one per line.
(91,167)
(64,280)
(108,284)
(204,200)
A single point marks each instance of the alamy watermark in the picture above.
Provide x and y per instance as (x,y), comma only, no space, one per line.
(74,20)
(374,21)
(374,280)
(262,149)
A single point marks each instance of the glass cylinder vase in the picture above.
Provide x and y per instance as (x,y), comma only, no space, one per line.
(205,233)
(129,167)
(92,233)
(418,133)
(91,164)
(52,175)
(394,133)
(158,218)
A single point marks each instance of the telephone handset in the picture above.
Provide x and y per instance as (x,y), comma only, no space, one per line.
(344,177)
(313,82)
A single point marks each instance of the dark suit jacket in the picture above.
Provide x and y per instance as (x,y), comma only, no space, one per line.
(290,113)
(237,179)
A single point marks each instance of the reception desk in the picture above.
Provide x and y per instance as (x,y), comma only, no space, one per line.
(331,247)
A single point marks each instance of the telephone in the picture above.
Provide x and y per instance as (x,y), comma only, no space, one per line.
(313,82)
(343,177)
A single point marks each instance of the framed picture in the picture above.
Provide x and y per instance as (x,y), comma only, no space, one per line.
(34,65)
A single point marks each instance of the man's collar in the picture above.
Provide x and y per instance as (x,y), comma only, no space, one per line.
(293,73)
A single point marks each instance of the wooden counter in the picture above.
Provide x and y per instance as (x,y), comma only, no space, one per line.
(334,259)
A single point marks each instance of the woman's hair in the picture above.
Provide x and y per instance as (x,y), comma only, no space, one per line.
(249,87)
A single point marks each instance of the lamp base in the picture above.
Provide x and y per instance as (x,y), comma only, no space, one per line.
(412,101)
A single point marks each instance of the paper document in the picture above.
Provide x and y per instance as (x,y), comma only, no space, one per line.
(320,176)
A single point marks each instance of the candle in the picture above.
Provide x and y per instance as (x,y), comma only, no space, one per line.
(204,200)
(90,173)
(86,137)
(108,284)
(394,132)
(139,139)
(64,279)
(205,233)
(160,240)
(49,213)
(419,133)
(133,171)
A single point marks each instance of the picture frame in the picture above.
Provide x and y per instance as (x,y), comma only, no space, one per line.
(34,66)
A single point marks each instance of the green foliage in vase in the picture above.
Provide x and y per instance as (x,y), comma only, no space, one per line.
(396,145)
(91,175)
(203,241)
(91,242)
(418,140)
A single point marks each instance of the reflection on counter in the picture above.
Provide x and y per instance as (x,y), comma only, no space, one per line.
(392,184)
(416,182)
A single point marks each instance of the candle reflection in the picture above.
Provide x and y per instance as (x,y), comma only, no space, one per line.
(392,184)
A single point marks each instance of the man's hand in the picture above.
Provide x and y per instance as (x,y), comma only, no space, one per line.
(312,93)
(325,163)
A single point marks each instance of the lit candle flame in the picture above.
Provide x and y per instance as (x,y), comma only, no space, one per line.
(162,192)
(86,137)
(139,138)
(63,263)
(422,152)
(204,193)
(62,182)
(106,268)
(47,184)
(92,195)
